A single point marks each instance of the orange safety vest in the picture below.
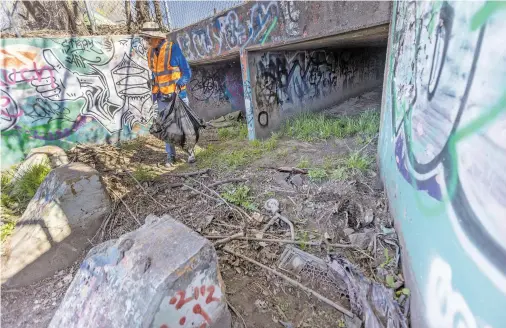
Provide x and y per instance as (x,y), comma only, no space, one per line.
(165,75)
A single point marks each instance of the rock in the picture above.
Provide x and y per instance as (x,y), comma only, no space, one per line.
(348,231)
(368,216)
(257,217)
(281,180)
(52,155)
(160,275)
(66,211)
(297,180)
(57,156)
(361,239)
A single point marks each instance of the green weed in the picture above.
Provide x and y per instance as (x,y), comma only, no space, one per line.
(357,162)
(339,174)
(240,196)
(311,127)
(130,145)
(25,187)
(144,173)
(388,259)
(317,174)
(239,131)
(304,240)
(303,163)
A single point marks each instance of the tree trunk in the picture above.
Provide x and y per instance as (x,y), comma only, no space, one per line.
(158,13)
(142,12)
(128,12)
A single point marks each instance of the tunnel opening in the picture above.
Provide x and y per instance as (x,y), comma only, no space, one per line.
(216,89)
(337,75)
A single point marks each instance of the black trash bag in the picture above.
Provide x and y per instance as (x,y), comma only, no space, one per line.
(178,125)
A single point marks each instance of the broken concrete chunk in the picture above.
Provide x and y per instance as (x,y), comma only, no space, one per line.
(281,180)
(361,239)
(64,214)
(368,216)
(348,231)
(160,275)
(297,180)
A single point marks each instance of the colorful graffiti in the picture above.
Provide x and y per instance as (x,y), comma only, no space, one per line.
(443,149)
(52,88)
(196,306)
(234,30)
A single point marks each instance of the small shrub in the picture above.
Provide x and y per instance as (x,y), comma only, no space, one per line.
(239,196)
(339,174)
(25,187)
(239,131)
(317,174)
(357,162)
(143,173)
(303,163)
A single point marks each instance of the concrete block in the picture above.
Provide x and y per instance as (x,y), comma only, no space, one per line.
(65,212)
(160,275)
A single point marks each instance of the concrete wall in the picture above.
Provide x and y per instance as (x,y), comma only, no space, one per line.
(285,83)
(63,91)
(442,152)
(216,90)
(265,24)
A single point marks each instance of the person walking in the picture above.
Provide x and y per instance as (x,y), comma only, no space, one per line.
(170,73)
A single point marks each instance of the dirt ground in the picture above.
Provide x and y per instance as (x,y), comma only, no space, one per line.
(329,198)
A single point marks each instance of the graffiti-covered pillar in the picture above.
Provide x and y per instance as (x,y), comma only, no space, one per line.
(248,100)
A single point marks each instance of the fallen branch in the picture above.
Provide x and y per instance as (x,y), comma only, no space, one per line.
(201,193)
(294,282)
(145,192)
(229,238)
(283,241)
(237,314)
(286,169)
(128,208)
(217,183)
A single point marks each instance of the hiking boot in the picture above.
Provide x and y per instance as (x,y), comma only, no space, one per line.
(191,158)
(171,162)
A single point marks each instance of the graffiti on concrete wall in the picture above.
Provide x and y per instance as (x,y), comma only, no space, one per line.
(195,306)
(236,29)
(289,80)
(217,89)
(52,88)
(444,123)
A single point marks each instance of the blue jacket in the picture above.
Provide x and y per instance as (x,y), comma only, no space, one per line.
(177,59)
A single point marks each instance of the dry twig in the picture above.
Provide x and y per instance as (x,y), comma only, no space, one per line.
(217,183)
(145,192)
(185,175)
(293,282)
(128,208)
(237,314)
(229,238)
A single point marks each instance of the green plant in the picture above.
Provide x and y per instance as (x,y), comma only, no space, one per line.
(303,163)
(144,173)
(389,280)
(239,196)
(317,174)
(7,228)
(304,240)
(133,144)
(341,323)
(238,131)
(388,259)
(403,291)
(339,174)
(357,162)
(26,185)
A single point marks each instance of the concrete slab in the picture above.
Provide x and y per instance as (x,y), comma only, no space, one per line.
(66,211)
(161,275)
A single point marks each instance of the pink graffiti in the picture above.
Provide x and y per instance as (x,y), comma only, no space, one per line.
(25,75)
(4,113)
